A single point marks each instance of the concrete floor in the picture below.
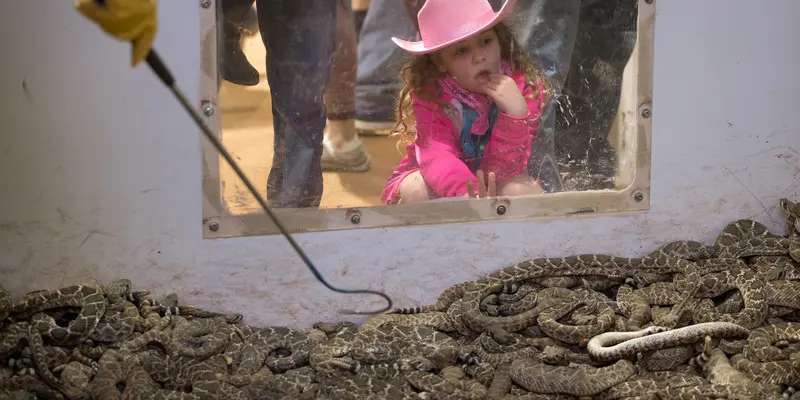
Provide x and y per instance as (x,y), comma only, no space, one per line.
(247,133)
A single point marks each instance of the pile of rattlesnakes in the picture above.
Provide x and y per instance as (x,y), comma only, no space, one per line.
(688,321)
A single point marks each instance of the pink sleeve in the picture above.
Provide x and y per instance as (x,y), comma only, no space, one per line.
(436,151)
(509,147)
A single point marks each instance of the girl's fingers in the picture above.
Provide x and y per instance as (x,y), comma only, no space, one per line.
(470,188)
(490,91)
(484,189)
(481,185)
(492,184)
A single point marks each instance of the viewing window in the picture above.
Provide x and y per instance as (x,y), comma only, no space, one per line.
(309,110)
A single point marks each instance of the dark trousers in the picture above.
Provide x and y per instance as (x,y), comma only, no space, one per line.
(299,38)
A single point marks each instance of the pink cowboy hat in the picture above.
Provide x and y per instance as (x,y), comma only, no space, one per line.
(444,22)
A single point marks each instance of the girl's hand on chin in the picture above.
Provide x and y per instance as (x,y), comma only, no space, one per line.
(503,90)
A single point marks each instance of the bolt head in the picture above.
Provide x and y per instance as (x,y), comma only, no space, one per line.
(639,196)
(646,113)
(205,3)
(501,209)
(208,111)
(355,219)
(213,226)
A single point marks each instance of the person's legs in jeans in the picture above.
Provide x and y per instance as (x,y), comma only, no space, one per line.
(236,68)
(299,38)
(379,64)
(342,149)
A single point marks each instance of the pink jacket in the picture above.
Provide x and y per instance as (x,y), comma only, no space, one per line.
(437,151)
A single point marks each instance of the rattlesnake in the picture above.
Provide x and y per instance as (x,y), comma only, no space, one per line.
(760,342)
(90,300)
(640,386)
(255,360)
(215,333)
(618,345)
(766,363)
(580,380)
(115,374)
(390,342)
(548,321)
(752,287)
(23,331)
(718,369)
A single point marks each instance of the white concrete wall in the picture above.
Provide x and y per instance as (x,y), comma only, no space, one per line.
(100,168)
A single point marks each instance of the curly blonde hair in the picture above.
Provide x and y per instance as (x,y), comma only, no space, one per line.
(420,75)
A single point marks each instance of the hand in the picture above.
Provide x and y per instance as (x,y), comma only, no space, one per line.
(128,20)
(503,90)
(483,190)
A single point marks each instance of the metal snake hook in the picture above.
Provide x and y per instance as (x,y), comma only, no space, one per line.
(160,69)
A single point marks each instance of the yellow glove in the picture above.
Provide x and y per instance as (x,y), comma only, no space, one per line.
(128,20)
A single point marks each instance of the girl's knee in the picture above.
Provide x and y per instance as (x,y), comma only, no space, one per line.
(413,189)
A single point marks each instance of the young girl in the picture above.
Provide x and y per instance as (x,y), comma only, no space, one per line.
(475,100)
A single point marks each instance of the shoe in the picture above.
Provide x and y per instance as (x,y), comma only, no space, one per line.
(374,128)
(236,68)
(350,157)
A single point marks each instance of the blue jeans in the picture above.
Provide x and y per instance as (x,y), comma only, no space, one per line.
(380,60)
(299,37)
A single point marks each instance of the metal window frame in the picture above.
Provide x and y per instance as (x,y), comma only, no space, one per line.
(634,122)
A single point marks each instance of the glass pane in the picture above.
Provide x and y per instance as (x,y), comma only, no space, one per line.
(310,93)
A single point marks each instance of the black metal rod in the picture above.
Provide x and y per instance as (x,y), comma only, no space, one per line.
(160,68)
